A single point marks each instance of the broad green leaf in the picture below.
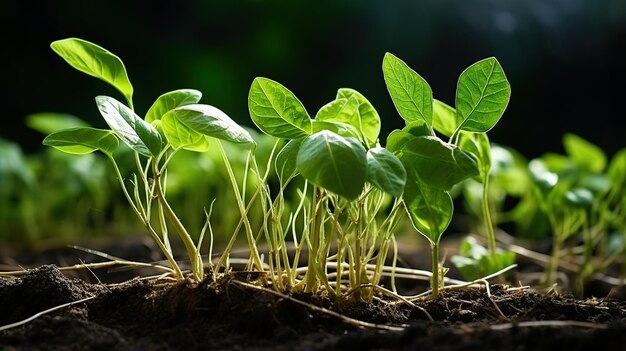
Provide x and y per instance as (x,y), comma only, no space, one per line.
(579,197)
(417,128)
(343,129)
(49,122)
(584,153)
(410,93)
(170,101)
(286,160)
(436,163)
(430,209)
(13,165)
(277,111)
(444,118)
(341,110)
(95,61)
(368,116)
(545,179)
(385,171)
(617,169)
(478,145)
(138,134)
(181,136)
(475,261)
(509,169)
(333,162)
(83,140)
(211,121)
(482,95)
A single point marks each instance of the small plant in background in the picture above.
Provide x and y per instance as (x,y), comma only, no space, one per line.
(174,122)
(583,200)
(435,166)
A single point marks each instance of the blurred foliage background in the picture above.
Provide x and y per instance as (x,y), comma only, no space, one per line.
(564,58)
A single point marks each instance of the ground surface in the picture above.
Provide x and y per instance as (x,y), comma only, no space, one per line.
(136,314)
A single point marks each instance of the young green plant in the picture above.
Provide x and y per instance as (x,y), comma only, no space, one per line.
(338,153)
(174,122)
(434,166)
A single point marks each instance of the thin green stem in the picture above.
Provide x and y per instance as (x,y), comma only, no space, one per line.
(254,252)
(190,247)
(435,280)
(491,236)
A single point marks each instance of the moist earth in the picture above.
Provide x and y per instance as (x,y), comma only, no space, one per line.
(147,313)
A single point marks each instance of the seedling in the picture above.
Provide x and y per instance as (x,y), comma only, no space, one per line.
(433,165)
(339,154)
(176,121)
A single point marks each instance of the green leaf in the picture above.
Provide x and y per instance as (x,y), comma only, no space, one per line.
(617,169)
(475,261)
(584,153)
(211,121)
(579,197)
(369,120)
(181,136)
(170,101)
(478,145)
(482,95)
(444,118)
(410,93)
(138,134)
(430,209)
(83,140)
(277,111)
(435,162)
(343,129)
(385,171)
(286,160)
(48,122)
(417,128)
(333,162)
(95,61)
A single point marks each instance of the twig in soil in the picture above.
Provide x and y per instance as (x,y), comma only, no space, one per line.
(39,314)
(542,324)
(352,321)
(392,294)
(94,265)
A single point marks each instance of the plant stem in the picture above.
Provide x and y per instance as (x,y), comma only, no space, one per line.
(196,262)
(254,252)
(314,238)
(166,251)
(491,236)
(434,283)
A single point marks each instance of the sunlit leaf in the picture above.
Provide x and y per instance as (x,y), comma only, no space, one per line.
(277,111)
(410,93)
(83,140)
(170,101)
(138,134)
(333,162)
(482,95)
(369,120)
(286,159)
(385,171)
(444,118)
(95,61)
(435,162)
(211,121)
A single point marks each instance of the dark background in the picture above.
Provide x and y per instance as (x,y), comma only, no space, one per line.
(565,59)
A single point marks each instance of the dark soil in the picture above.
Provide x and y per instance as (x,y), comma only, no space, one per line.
(230,314)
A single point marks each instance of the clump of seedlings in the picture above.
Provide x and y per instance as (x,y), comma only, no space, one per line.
(175,121)
(352,191)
